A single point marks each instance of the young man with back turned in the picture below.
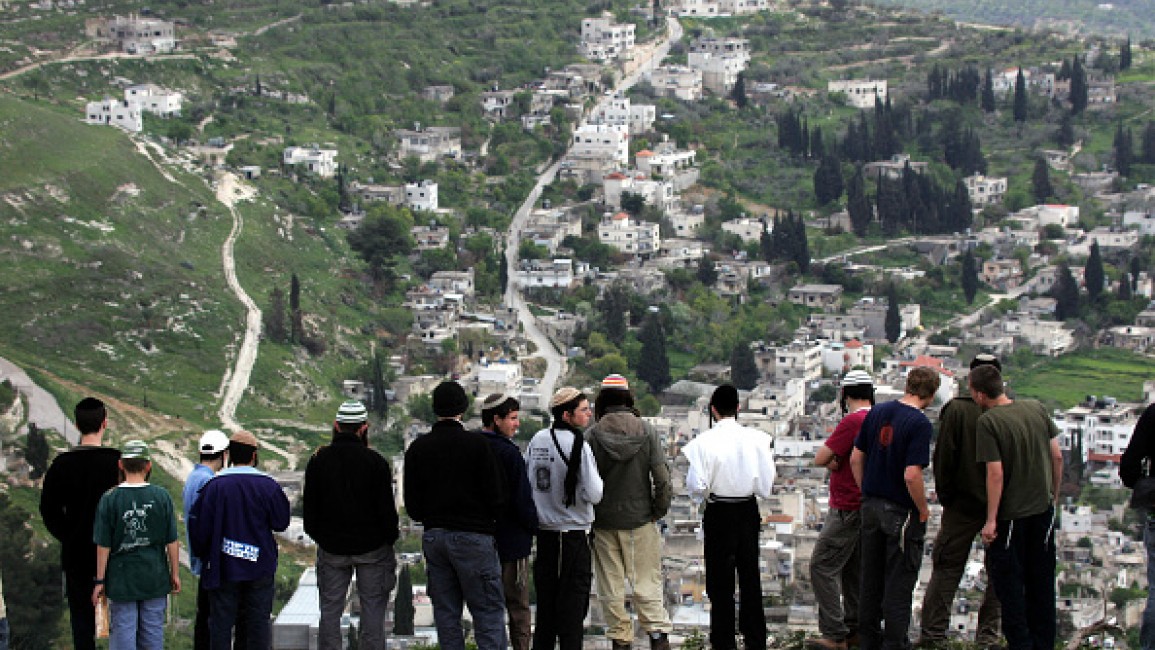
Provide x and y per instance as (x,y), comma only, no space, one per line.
(1017,438)
(137,554)
(231,529)
(73,486)
(351,514)
(627,542)
(455,488)
(890,452)
(730,467)
(214,447)
(836,562)
(961,483)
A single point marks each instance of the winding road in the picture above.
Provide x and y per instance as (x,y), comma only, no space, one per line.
(555,360)
(43,409)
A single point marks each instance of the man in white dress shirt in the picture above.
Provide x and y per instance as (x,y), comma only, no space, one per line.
(730,466)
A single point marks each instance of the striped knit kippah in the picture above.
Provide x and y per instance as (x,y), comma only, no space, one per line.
(352,412)
(857,378)
(616,382)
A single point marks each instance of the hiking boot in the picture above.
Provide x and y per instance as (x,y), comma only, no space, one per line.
(823,643)
(659,641)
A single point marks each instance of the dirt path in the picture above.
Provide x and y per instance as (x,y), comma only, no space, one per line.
(70,58)
(229,191)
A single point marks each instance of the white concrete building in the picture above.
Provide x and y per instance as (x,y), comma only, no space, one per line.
(742,7)
(499,377)
(553,274)
(604,40)
(686,224)
(497,104)
(1066,216)
(677,81)
(696,8)
(619,111)
(719,71)
(112,112)
(630,236)
(422,195)
(781,400)
(549,228)
(430,143)
(601,142)
(730,46)
(658,194)
(860,93)
(154,99)
(134,34)
(313,159)
(985,191)
(797,360)
(1105,427)
(747,229)
(1144,222)
(840,357)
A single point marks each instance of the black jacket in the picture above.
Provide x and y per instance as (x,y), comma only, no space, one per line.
(72,487)
(1142,446)
(348,498)
(453,481)
(517,522)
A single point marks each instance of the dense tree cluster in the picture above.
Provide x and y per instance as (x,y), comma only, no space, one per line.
(1124,150)
(878,137)
(795,135)
(828,183)
(962,148)
(961,86)
(787,242)
(743,367)
(915,203)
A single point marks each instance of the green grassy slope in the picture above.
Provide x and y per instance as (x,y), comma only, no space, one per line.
(1079,16)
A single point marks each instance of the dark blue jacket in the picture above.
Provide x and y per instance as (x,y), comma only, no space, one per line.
(517,521)
(231,526)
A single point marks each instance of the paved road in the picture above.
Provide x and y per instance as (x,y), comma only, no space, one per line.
(43,410)
(555,360)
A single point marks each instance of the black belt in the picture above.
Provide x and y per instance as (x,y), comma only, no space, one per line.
(715,498)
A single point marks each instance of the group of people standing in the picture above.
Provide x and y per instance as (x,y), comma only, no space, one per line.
(119,545)
(589,490)
(870,549)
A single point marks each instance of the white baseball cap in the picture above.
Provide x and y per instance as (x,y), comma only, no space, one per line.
(214,441)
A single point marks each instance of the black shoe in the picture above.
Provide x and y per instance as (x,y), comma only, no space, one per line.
(660,642)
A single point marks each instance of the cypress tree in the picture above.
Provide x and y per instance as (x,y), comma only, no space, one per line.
(274,317)
(297,329)
(1078,87)
(1020,105)
(828,184)
(1125,287)
(614,307)
(801,245)
(707,274)
(380,400)
(403,609)
(654,366)
(1125,55)
(1041,182)
(36,451)
(738,93)
(1149,143)
(1093,272)
(893,324)
(857,204)
(1135,269)
(1065,135)
(1066,293)
(970,277)
(743,367)
(988,93)
(1124,154)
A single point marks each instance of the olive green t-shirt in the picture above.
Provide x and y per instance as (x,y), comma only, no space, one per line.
(1019,435)
(135,522)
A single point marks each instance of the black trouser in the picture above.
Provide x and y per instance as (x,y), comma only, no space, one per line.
(1023,560)
(562,577)
(731,545)
(892,542)
(78,586)
(201,622)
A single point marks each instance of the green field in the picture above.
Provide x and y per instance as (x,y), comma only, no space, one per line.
(1068,380)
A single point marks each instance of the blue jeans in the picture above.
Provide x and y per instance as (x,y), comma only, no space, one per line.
(252,602)
(461,567)
(137,624)
(3,634)
(376,575)
(1147,631)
